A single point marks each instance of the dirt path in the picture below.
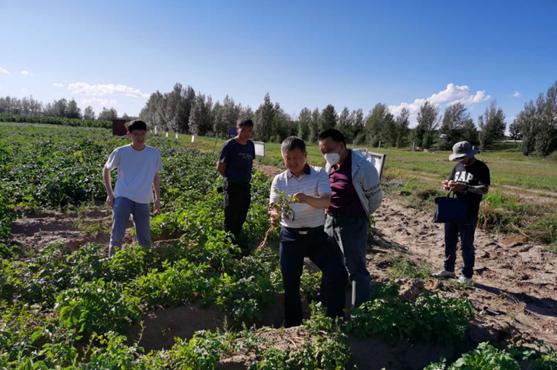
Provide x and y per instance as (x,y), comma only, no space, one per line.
(75,228)
(515,280)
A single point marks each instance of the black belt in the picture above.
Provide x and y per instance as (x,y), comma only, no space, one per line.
(304,230)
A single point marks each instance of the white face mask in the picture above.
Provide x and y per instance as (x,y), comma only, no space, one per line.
(332,158)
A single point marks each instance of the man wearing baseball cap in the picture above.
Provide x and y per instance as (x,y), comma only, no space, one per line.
(469,180)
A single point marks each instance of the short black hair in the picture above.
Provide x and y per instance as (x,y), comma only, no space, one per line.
(291,143)
(334,134)
(137,124)
(245,123)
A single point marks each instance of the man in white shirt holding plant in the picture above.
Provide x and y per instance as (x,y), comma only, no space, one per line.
(302,232)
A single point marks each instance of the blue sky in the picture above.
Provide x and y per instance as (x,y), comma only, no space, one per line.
(304,53)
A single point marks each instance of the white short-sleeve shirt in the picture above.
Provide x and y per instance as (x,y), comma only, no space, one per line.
(136,172)
(314,182)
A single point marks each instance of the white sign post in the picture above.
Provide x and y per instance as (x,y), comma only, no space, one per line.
(378,159)
(193,139)
(259,148)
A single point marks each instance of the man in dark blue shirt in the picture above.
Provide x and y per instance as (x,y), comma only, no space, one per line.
(235,164)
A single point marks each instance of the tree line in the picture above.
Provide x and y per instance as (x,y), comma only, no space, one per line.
(186,111)
(63,108)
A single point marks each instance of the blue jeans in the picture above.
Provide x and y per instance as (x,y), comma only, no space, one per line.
(466,233)
(350,234)
(294,246)
(121,210)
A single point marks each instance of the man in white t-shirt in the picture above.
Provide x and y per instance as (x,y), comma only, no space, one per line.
(138,168)
(302,234)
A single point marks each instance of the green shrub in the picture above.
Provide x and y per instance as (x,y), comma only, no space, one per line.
(485,357)
(431,318)
(98,306)
(173,285)
(246,289)
(127,263)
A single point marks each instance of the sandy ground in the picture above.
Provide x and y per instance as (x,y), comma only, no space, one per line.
(515,281)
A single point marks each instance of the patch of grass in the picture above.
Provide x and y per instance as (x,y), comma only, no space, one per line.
(505,213)
(401,267)
(545,230)
(500,212)
(92,228)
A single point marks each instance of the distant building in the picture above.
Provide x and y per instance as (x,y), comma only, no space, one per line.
(119,127)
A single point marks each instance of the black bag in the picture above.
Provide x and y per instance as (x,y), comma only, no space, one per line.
(450,209)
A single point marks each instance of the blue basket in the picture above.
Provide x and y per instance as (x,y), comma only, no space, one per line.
(451,210)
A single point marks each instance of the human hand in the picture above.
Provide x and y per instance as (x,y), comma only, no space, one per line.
(157,207)
(274,216)
(110,200)
(301,197)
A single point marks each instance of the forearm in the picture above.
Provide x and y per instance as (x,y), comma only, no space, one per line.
(319,202)
(221,167)
(157,186)
(108,182)
(477,189)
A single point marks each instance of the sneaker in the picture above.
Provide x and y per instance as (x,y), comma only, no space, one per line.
(464,280)
(443,274)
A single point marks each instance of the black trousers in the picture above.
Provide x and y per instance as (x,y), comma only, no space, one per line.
(237,198)
(294,246)
(466,233)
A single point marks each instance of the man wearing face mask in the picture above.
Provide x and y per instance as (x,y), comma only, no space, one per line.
(470,180)
(355,195)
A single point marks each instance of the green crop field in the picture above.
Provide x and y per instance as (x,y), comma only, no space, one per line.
(64,307)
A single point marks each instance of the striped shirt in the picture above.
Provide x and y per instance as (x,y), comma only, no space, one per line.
(315,183)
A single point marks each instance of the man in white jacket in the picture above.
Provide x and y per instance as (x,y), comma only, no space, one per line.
(355,195)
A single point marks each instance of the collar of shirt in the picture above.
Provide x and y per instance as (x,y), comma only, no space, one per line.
(307,171)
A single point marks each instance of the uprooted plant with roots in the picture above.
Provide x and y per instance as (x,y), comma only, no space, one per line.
(282,207)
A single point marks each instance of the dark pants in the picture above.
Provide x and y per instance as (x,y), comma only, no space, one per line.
(294,246)
(466,233)
(237,199)
(350,234)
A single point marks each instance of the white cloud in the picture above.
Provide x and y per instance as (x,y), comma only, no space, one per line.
(25,72)
(96,90)
(452,94)
(57,84)
(24,90)
(99,102)
(516,94)
(4,71)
